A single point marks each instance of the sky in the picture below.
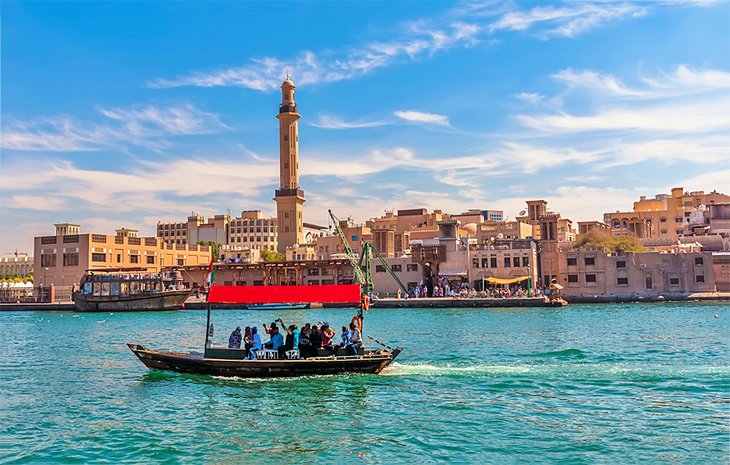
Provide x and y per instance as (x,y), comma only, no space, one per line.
(123,114)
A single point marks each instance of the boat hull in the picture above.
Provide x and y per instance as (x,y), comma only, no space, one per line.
(183,362)
(167,300)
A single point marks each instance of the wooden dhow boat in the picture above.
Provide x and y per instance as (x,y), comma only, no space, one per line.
(223,361)
(129,289)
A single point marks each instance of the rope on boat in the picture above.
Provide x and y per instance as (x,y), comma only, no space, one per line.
(381,343)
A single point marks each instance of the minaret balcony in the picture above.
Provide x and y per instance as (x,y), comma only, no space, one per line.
(289,193)
(288,108)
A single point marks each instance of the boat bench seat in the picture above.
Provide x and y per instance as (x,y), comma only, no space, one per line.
(338,353)
(225,353)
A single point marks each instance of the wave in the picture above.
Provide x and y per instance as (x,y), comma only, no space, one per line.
(401,369)
(565,353)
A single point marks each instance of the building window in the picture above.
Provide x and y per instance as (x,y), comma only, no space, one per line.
(507,262)
(572,278)
(525,261)
(119,258)
(411,267)
(674,281)
(354,238)
(678,220)
(397,268)
(699,261)
(516,262)
(590,261)
(700,278)
(648,282)
(621,264)
(591,278)
(622,281)
(485,262)
(180,262)
(663,231)
(150,259)
(475,262)
(379,269)
(98,257)
(493,262)
(680,232)
(572,261)
(134,259)
(70,259)
(662,220)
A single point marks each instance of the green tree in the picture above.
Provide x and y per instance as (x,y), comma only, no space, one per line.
(270,255)
(215,249)
(608,243)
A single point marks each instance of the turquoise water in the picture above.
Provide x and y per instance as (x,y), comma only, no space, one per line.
(638,383)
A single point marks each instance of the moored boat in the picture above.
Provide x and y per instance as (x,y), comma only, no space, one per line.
(129,289)
(278,306)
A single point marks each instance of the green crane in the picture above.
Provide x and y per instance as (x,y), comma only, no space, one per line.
(361,267)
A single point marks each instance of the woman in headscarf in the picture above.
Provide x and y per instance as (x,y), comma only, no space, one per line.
(247,338)
(234,341)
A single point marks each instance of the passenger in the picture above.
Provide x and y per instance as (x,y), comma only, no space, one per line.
(355,340)
(276,341)
(270,331)
(292,341)
(327,335)
(247,338)
(345,339)
(234,341)
(255,342)
(315,341)
(304,340)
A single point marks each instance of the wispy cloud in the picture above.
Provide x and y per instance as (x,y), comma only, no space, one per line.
(145,125)
(422,117)
(333,122)
(463,26)
(567,21)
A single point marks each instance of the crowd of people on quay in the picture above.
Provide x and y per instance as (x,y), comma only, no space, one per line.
(442,287)
(307,341)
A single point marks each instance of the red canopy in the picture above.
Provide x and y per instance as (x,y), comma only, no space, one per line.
(326,293)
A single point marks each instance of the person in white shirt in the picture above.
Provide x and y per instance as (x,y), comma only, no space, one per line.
(355,340)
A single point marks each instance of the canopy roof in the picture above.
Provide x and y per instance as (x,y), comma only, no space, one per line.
(326,293)
(507,280)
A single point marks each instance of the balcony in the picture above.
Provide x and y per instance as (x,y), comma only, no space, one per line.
(288,108)
(289,193)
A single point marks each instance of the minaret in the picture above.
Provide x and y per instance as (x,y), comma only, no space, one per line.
(289,198)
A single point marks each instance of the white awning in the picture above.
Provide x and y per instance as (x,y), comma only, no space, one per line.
(452,272)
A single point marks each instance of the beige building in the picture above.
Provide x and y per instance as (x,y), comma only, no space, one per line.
(392,233)
(647,274)
(195,230)
(21,265)
(289,197)
(664,216)
(63,259)
(252,230)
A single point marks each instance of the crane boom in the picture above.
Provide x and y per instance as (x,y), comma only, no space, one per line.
(357,271)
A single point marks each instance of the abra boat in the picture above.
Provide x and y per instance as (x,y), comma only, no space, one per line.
(129,289)
(222,361)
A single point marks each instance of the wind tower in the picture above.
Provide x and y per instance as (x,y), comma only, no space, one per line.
(289,197)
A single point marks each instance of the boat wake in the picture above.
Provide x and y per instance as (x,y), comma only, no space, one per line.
(402,369)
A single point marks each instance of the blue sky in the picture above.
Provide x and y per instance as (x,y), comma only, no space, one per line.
(126,113)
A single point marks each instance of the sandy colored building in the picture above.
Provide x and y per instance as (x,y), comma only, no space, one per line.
(16,266)
(393,232)
(664,216)
(62,259)
(647,274)
(253,230)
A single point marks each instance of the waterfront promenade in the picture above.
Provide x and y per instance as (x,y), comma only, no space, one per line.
(194,303)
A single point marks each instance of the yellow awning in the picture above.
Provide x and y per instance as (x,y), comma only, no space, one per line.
(508,280)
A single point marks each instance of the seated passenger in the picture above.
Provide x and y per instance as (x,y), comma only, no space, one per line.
(304,340)
(315,341)
(292,341)
(327,335)
(345,339)
(255,343)
(355,340)
(234,341)
(276,341)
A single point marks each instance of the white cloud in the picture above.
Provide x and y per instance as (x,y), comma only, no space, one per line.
(461,26)
(146,126)
(421,117)
(333,122)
